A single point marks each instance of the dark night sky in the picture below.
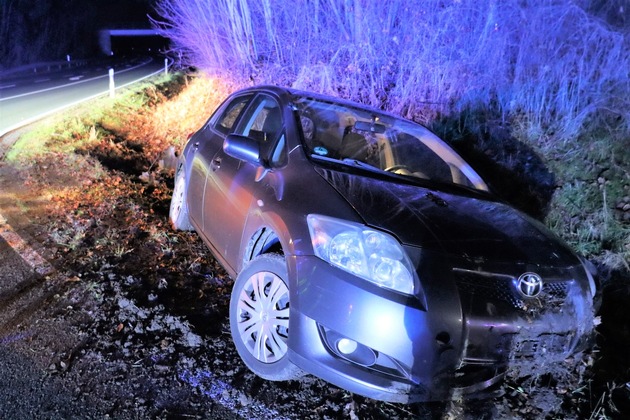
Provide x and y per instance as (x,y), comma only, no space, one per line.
(122,12)
(42,30)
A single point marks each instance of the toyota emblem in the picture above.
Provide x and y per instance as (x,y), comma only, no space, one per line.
(530,284)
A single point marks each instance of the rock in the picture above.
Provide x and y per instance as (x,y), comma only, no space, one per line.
(155,326)
(168,160)
(193,340)
(124,303)
(243,399)
(147,177)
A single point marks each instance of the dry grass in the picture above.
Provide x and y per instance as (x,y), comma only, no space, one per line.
(549,63)
(168,122)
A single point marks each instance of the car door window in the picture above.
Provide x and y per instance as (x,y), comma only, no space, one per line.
(226,120)
(263,123)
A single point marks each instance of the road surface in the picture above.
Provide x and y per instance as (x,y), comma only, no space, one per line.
(29,96)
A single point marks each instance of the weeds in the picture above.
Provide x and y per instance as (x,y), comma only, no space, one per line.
(121,250)
(593,178)
(70,237)
(549,63)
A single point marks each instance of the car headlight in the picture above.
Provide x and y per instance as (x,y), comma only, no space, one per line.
(370,254)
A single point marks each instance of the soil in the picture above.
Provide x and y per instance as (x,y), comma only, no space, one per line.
(125,318)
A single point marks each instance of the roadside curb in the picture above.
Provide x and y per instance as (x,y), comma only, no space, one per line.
(21,247)
(43,67)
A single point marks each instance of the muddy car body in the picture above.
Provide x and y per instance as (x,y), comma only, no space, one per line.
(368,253)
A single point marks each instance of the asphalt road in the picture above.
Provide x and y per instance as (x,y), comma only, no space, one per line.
(27,389)
(25,386)
(28,96)
(29,285)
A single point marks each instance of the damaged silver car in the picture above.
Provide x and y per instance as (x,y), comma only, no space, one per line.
(367,252)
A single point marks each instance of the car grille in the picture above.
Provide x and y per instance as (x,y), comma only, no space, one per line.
(501,288)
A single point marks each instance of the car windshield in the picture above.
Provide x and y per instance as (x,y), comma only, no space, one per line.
(360,137)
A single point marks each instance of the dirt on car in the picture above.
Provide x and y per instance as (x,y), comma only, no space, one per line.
(105,310)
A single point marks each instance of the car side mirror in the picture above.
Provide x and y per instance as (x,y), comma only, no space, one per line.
(247,149)
(243,148)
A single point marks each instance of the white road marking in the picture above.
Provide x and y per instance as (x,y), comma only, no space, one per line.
(73,78)
(24,250)
(7,86)
(45,79)
(77,82)
(45,114)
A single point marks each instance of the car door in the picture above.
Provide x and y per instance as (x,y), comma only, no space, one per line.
(231,185)
(206,143)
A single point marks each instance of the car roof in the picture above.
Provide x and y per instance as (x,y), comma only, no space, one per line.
(290,94)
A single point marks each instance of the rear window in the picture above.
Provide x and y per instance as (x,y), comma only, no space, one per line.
(227,119)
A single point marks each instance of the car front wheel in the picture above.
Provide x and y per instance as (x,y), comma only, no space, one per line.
(178,213)
(259,318)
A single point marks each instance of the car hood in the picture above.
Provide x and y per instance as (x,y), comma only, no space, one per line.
(463,225)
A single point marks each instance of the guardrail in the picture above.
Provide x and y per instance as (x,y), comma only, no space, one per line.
(43,67)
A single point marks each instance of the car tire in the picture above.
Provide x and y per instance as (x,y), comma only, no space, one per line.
(259,318)
(178,212)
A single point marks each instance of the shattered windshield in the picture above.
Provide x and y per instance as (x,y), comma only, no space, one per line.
(360,137)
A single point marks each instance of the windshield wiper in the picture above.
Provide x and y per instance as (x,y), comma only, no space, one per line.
(360,164)
(350,162)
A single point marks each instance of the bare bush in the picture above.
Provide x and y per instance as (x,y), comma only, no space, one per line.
(550,62)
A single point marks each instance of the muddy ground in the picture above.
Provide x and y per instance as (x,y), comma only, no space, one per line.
(125,318)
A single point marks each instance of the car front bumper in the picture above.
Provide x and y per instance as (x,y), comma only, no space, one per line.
(387,346)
